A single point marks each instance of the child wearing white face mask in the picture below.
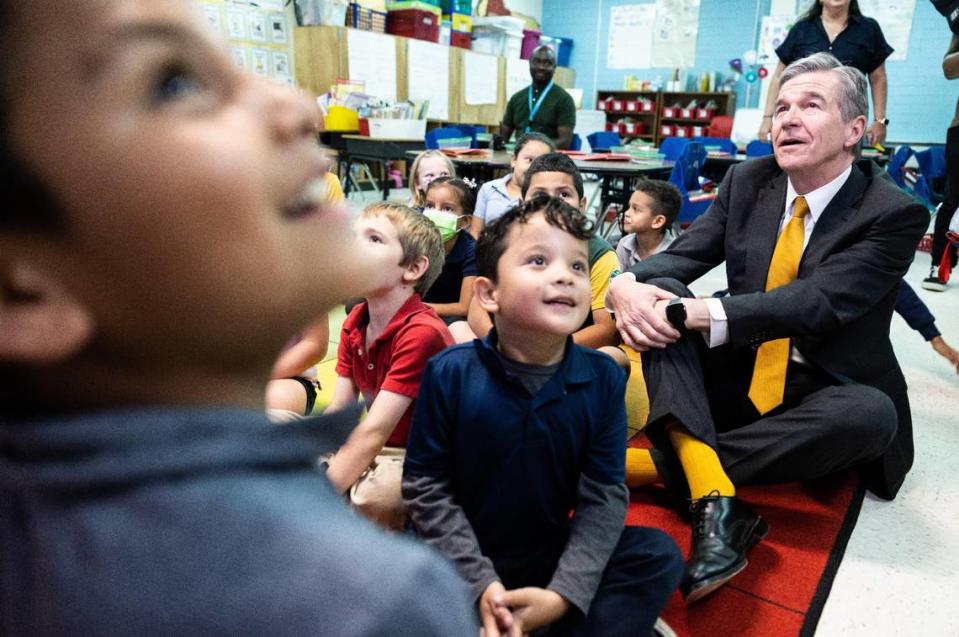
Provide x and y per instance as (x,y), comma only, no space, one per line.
(449,205)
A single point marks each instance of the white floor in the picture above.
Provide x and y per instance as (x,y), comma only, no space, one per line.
(901,567)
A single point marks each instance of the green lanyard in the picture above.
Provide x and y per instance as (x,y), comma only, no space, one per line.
(534,108)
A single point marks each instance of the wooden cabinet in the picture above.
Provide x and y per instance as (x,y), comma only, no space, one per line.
(654,115)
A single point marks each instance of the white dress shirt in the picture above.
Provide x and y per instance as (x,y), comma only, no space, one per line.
(817,200)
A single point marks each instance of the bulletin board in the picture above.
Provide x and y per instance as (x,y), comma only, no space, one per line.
(260,36)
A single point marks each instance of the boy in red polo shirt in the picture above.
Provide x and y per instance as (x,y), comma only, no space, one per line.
(384,346)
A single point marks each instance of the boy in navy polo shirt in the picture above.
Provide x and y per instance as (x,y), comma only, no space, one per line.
(513,432)
(384,345)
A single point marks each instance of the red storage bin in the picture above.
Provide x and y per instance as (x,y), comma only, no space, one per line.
(670,111)
(666,130)
(632,106)
(601,104)
(646,106)
(530,42)
(705,113)
(414,23)
(612,127)
(700,131)
(682,131)
(616,105)
(461,39)
(687,113)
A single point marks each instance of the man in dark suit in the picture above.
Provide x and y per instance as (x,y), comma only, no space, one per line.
(792,376)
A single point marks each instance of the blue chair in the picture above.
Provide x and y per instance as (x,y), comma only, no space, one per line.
(896,169)
(450,132)
(603,140)
(672,147)
(932,165)
(685,176)
(758,148)
(576,143)
(725,144)
(470,131)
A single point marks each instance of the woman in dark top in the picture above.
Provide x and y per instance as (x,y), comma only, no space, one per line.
(840,28)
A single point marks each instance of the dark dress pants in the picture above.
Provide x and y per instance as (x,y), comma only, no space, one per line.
(948,207)
(822,426)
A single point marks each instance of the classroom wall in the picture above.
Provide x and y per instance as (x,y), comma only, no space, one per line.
(921,100)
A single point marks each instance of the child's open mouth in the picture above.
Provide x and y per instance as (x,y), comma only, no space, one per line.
(563,301)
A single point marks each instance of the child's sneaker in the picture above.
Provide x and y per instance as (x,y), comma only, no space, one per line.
(933,282)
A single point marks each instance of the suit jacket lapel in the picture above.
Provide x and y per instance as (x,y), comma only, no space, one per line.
(763,232)
(839,210)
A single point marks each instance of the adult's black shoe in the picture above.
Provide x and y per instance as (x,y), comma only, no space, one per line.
(723,530)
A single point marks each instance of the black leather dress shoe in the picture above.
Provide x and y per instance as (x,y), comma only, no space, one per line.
(723,530)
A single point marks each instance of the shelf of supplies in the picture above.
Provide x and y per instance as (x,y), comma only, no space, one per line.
(687,120)
(650,113)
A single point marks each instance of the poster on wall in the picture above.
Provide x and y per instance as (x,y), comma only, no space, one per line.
(480,78)
(630,36)
(674,33)
(895,18)
(372,60)
(517,76)
(429,76)
(771,35)
(245,29)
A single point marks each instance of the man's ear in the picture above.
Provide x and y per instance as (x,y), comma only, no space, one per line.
(416,269)
(40,323)
(486,294)
(855,129)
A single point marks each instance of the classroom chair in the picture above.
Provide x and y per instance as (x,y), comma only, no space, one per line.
(433,137)
(913,182)
(932,165)
(672,147)
(576,143)
(470,131)
(725,144)
(721,126)
(685,176)
(758,148)
(602,141)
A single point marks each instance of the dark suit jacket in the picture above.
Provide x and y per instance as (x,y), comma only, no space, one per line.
(838,309)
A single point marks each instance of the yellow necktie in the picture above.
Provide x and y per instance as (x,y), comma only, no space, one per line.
(769,374)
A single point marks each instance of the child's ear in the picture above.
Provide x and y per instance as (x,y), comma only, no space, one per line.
(40,323)
(486,294)
(658,222)
(416,269)
(582,204)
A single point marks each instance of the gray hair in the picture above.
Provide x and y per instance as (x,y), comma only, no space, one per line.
(853,101)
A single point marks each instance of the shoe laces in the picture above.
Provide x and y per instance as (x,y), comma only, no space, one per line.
(698,509)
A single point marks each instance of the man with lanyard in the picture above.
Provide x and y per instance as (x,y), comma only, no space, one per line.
(542,107)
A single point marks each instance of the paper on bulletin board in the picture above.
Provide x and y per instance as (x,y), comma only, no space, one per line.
(372,59)
(774,30)
(895,18)
(517,76)
(429,76)
(674,33)
(631,36)
(480,78)
(783,7)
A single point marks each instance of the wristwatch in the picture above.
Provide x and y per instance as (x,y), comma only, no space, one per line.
(676,314)
(884,121)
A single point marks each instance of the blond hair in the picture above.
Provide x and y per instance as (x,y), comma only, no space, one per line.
(418,238)
(417,196)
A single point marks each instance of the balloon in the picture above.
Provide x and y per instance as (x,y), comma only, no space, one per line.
(751,77)
(736,64)
(749,57)
(763,72)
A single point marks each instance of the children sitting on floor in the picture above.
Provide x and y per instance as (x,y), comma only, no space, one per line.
(648,220)
(556,175)
(384,346)
(428,165)
(293,385)
(161,239)
(449,205)
(497,196)
(513,432)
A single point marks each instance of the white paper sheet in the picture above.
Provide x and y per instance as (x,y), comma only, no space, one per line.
(895,18)
(517,76)
(428,68)
(674,33)
(630,36)
(372,60)
(480,78)
(774,30)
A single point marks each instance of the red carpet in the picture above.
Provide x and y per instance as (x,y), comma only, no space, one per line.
(790,573)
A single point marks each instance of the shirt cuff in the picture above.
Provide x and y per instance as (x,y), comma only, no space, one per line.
(718,325)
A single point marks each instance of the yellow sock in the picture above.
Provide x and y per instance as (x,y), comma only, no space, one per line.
(637,399)
(640,469)
(704,472)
